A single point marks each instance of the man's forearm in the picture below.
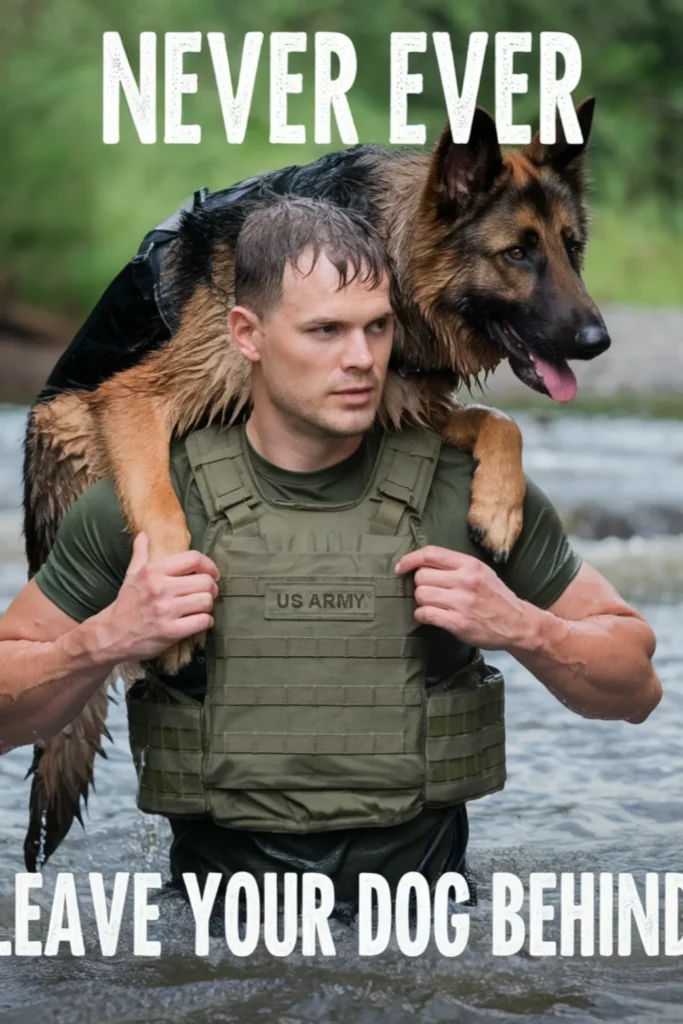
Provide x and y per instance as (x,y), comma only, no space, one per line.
(43,685)
(600,667)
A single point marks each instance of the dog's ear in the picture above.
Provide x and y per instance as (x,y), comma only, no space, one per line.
(567,158)
(462,170)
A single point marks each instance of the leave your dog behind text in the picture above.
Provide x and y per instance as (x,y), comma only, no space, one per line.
(546,914)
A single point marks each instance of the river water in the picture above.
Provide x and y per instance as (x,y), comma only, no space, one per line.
(582,796)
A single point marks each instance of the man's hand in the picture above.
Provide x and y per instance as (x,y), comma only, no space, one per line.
(159,603)
(463,595)
(590,648)
(50,665)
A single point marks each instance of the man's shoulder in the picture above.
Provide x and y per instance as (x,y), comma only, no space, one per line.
(96,502)
(88,559)
(454,460)
(450,459)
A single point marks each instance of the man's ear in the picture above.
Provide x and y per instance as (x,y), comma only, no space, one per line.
(567,158)
(462,170)
(245,332)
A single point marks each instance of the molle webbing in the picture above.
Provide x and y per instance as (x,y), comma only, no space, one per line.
(316,715)
(404,474)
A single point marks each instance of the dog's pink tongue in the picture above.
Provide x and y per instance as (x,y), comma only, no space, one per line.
(559,380)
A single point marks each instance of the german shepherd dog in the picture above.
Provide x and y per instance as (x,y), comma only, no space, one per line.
(485,248)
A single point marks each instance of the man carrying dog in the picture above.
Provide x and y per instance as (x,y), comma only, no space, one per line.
(343,716)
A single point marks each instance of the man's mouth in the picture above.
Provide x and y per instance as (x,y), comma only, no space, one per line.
(356,395)
(555,379)
(354,391)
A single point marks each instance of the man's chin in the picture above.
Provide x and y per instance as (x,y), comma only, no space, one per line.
(351,422)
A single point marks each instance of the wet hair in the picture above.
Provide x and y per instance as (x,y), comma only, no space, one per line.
(280,231)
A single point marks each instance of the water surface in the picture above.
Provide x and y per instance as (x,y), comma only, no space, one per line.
(582,796)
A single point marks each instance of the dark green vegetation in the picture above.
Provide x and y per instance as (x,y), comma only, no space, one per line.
(72,209)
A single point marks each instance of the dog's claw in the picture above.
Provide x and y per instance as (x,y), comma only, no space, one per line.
(496,555)
(495,530)
(181,654)
(493,523)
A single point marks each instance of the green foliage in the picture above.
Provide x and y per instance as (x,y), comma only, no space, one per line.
(72,210)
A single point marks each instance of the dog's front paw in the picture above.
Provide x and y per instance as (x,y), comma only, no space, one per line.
(495,517)
(181,654)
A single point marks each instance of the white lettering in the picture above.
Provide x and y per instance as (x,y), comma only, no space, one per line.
(508,84)
(290,913)
(178,84)
(506,912)
(24,912)
(331,93)
(201,904)
(235,107)
(404,84)
(317,903)
(64,906)
(282,83)
(460,107)
(373,888)
(583,912)
(143,913)
(451,881)
(142,99)
(556,94)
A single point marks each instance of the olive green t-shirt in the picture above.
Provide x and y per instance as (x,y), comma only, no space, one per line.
(86,567)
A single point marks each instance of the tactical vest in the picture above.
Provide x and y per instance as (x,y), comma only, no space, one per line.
(317,715)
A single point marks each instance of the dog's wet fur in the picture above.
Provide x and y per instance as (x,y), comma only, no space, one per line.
(485,249)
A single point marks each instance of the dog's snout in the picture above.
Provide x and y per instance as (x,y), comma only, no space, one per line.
(592,340)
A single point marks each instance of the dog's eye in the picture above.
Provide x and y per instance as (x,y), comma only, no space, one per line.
(517,253)
(573,247)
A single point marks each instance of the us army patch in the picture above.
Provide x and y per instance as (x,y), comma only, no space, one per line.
(328,599)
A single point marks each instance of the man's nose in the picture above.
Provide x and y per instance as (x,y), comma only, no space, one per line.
(592,340)
(357,352)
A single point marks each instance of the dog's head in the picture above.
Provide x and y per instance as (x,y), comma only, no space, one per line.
(496,257)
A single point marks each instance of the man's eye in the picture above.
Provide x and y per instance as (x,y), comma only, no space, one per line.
(516,253)
(379,326)
(326,329)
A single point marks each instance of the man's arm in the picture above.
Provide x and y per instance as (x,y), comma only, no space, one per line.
(593,651)
(50,665)
(589,648)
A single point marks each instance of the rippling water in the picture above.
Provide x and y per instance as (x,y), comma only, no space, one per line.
(582,796)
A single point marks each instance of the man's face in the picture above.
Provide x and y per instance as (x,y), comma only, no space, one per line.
(324,350)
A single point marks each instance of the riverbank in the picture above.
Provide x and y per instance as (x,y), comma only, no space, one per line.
(31,341)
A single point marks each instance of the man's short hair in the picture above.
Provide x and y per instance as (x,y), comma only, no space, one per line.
(279,231)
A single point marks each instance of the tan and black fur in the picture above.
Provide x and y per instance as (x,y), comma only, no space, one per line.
(449,221)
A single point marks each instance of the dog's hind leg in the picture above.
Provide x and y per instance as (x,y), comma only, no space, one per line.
(494,440)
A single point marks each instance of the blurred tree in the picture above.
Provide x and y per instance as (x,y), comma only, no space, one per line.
(72,210)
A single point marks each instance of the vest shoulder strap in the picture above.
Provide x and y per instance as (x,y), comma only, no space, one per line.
(223,481)
(401,483)
(404,477)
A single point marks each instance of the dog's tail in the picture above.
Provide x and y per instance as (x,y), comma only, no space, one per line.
(62,771)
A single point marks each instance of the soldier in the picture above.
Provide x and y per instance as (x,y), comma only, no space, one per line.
(343,715)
